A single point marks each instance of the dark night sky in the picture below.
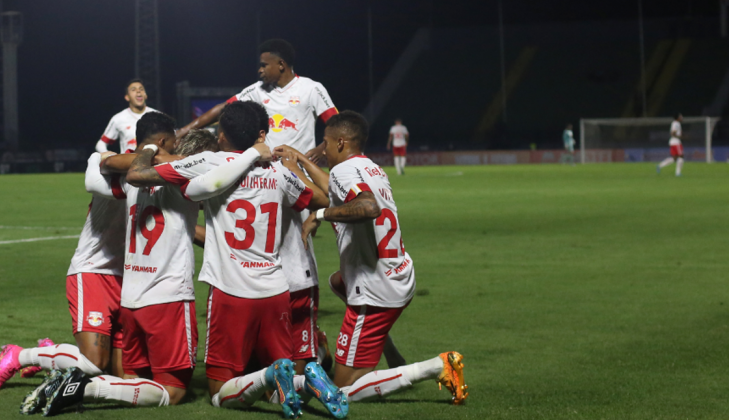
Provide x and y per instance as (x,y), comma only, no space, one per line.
(77,55)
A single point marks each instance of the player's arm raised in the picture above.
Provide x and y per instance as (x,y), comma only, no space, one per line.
(209,117)
(320,178)
(142,172)
(219,179)
(319,198)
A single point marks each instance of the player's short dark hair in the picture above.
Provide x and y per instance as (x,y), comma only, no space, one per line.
(242,122)
(676,115)
(353,125)
(129,83)
(197,141)
(153,123)
(280,48)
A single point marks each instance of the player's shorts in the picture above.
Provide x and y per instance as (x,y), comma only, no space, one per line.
(363,334)
(304,309)
(239,328)
(677,150)
(94,302)
(162,339)
(399,151)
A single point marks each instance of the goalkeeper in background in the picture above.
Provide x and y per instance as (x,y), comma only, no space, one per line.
(569,145)
(676,146)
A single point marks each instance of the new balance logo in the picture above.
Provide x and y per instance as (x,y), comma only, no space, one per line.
(70,389)
(304,348)
(340,352)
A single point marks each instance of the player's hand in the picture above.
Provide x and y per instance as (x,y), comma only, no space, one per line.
(182,132)
(309,225)
(316,154)
(388,147)
(264,151)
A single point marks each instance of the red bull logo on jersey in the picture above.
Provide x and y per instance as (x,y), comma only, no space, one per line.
(95,319)
(278,123)
(294,101)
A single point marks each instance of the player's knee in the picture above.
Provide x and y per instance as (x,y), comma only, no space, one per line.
(176,394)
(214,386)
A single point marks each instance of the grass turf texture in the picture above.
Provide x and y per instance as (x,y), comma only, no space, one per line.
(594,291)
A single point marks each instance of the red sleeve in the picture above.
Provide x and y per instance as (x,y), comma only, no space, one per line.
(183,190)
(116,187)
(328,114)
(107,140)
(356,190)
(231,100)
(304,199)
(169,174)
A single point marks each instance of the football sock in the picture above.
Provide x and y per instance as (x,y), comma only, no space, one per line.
(384,382)
(137,391)
(60,356)
(397,164)
(403,160)
(242,391)
(665,162)
(679,166)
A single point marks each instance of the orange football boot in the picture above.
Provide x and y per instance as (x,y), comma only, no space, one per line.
(452,376)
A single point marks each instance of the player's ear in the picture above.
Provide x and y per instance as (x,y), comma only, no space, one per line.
(127,98)
(261,137)
(340,144)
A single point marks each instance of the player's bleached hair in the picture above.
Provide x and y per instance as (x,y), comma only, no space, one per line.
(153,123)
(129,83)
(280,48)
(242,123)
(197,141)
(353,125)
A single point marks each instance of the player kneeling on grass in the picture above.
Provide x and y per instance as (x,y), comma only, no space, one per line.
(376,277)
(248,305)
(157,314)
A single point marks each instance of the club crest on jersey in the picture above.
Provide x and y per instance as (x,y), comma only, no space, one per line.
(95,319)
(294,101)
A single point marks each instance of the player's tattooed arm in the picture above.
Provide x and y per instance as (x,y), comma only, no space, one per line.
(117,164)
(362,208)
(142,173)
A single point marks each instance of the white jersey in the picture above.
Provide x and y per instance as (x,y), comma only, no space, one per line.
(123,128)
(292,111)
(299,264)
(675,127)
(101,246)
(243,224)
(375,267)
(398,135)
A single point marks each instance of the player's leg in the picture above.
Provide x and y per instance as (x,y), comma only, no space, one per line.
(665,162)
(404,159)
(228,343)
(304,307)
(679,159)
(392,354)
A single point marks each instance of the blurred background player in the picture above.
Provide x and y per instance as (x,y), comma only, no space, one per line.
(292,103)
(676,147)
(376,277)
(568,139)
(398,140)
(123,126)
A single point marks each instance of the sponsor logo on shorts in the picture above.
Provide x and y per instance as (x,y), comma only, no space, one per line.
(340,352)
(95,319)
(304,348)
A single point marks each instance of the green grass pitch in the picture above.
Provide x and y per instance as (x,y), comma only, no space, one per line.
(587,292)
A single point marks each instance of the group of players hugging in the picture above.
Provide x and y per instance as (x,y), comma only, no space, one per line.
(130,284)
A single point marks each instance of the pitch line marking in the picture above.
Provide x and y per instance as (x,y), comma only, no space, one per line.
(47,238)
(39,228)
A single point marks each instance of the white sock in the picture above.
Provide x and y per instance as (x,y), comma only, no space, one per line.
(136,392)
(299,382)
(679,166)
(242,391)
(665,162)
(402,162)
(383,382)
(396,159)
(60,356)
